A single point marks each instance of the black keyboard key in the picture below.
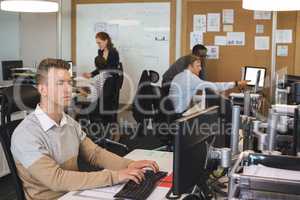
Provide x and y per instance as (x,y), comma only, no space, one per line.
(141,191)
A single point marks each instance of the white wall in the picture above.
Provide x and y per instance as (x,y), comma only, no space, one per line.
(9,37)
(38,37)
(66,29)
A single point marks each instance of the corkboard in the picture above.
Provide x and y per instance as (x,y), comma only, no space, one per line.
(232,58)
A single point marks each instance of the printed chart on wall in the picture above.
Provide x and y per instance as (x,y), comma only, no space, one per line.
(139,31)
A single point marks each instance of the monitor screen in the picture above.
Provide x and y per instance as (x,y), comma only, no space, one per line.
(250,74)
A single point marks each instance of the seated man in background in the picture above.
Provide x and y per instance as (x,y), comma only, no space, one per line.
(47,143)
(187,83)
(182,63)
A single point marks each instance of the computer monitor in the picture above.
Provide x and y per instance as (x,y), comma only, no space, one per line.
(194,135)
(250,74)
(8,65)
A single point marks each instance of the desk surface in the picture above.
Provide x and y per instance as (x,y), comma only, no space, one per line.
(164,160)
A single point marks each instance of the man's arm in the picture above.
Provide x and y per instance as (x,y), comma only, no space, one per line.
(49,173)
(100,157)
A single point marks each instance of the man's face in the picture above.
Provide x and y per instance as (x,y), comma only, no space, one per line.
(202,53)
(57,88)
(195,67)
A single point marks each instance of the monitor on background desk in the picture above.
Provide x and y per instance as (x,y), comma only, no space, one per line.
(250,74)
(7,66)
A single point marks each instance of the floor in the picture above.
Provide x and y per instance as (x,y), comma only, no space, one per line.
(144,142)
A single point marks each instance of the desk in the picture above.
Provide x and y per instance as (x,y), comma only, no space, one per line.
(164,160)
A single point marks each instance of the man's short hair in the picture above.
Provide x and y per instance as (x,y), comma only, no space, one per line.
(47,64)
(191,59)
(198,47)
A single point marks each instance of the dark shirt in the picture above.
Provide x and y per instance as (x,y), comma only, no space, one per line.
(111,62)
(180,65)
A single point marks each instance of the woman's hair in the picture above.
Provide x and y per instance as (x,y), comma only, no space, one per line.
(105,36)
(191,59)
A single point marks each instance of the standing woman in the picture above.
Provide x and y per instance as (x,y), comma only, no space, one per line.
(108,56)
(106,62)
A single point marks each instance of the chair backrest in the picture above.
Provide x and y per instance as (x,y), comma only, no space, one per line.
(13,99)
(18,98)
(5,139)
(8,65)
(147,98)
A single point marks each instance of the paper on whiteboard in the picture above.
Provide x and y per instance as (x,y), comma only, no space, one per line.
(199,23)
(228,16)
(220,40)
(213,22)
(262,43)
(262,14)
(227,28)
(282,50)
(236,38)
(100,27)
(196,38)
(284,36)
(259,28)
(212,52)
(113,31)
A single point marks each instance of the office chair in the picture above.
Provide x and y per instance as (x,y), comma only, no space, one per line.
(145,107)
(109,101)
(10,104)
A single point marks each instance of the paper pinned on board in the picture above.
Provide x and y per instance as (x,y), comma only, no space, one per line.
(260,28)
(199,23)
(213,22)
(262,15)
(262,43)
(282,50)
(196,38)
(228,16)
(212,52)
(220,40)
(236,38)
(284,36)
(100,27)
(227,28)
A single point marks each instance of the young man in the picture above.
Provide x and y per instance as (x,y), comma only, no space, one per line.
(47,143)
(182,63)
(186,84)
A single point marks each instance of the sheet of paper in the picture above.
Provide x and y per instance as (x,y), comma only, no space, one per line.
(265,15)
(284,36)
(228,16)
(212,52)
(262,43)
(220,40)
(196,38)
(199,23)
(260,28)
(100,27)
(282,50)
(113,31)
(227,28)
(236,38)
(213,22)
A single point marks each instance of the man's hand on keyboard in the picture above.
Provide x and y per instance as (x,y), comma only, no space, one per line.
(144,164)
(136,175)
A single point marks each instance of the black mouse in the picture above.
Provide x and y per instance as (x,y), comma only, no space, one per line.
(192,197)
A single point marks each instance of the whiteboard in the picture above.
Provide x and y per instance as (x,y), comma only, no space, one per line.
(139,31)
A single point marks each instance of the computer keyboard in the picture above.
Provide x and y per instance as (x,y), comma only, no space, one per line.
(141,191)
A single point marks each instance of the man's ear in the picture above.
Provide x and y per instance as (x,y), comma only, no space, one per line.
(42,90)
